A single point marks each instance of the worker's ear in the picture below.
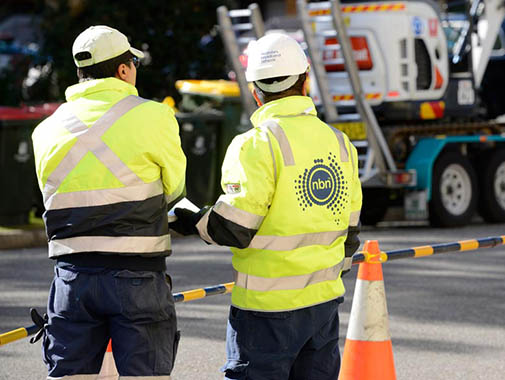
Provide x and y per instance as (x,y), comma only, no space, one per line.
(304,87)
(122,72)
(256,97)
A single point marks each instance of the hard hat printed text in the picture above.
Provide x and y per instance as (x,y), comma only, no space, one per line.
(322,185)
(269,56)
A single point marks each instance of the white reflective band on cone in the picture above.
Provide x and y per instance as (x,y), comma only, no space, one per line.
(369,318)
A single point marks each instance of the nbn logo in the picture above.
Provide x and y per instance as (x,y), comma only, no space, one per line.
(321,185)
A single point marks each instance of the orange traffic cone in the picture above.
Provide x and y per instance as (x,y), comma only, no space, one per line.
(368,352)
(108,370)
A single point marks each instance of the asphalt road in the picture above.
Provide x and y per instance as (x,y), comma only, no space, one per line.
(446,312)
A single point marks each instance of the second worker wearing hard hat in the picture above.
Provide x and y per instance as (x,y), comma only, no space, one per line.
(290,214)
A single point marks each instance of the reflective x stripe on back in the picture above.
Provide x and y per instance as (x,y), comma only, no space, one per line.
(282,140)
(287,152)
(89,140)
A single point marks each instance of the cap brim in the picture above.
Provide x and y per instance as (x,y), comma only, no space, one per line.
(136,52)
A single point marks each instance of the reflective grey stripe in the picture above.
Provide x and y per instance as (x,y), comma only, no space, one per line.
(104,196)
(89,139)
(132,244)
(354,218)
(238,216)
(286,243)
(201,226)
(265,284)
(176,193)
(344,154)
(74,377)
(282,140)
(347,263)
(352,161)
(273,157)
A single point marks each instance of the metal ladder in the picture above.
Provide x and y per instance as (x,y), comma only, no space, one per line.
(377,158)
(235,35)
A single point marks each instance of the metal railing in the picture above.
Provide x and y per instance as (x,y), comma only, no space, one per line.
(360,257)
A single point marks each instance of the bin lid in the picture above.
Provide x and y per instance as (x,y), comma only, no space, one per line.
(19,113)
(46,109)
(218,87)
(25,112)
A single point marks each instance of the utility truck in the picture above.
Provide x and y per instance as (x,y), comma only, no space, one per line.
(408,82)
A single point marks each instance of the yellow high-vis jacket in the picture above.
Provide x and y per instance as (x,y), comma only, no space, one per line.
(109,164)
(290,210)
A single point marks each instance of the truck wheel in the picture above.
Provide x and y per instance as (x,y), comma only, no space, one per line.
(454,191)
(492,190)
(375,205)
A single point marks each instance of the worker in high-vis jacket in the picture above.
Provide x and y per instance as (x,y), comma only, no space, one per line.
(110,165)
(290,212)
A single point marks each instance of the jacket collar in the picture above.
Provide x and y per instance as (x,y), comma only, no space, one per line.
(98,85)
(289,106)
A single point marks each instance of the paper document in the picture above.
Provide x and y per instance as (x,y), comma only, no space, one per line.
(183,203)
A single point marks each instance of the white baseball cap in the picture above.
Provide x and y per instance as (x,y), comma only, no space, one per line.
(102,43)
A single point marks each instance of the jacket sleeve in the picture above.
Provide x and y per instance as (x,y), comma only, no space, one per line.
(170,157)
(352,242)
(248,184)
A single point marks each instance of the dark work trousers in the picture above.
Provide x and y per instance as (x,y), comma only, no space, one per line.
(292,345)
(89,306)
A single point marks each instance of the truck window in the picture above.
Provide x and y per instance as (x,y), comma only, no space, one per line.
(423,61)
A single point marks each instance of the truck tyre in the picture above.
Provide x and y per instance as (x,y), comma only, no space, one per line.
(454,191)
(375,205)
(492,187)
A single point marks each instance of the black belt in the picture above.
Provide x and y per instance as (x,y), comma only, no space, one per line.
(113,261)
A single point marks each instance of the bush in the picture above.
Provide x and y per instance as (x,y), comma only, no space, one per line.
(179,37)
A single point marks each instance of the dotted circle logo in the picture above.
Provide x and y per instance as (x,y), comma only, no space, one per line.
(322,185)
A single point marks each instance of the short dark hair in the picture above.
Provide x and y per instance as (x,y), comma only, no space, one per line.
(104,69)
(294,90)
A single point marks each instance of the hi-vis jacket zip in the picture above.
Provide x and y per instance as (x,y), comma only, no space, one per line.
(109,164)
(290,209)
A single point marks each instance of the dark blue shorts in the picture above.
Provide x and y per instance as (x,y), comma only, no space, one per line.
(89,306)
(293,345)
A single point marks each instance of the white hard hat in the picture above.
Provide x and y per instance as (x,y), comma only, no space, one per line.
(102,43)
(275,55)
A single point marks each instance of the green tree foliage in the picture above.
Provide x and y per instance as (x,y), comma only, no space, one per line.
(179,37)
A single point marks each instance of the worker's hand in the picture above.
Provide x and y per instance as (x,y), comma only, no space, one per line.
(347,266)
(185,224)
(187,220)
